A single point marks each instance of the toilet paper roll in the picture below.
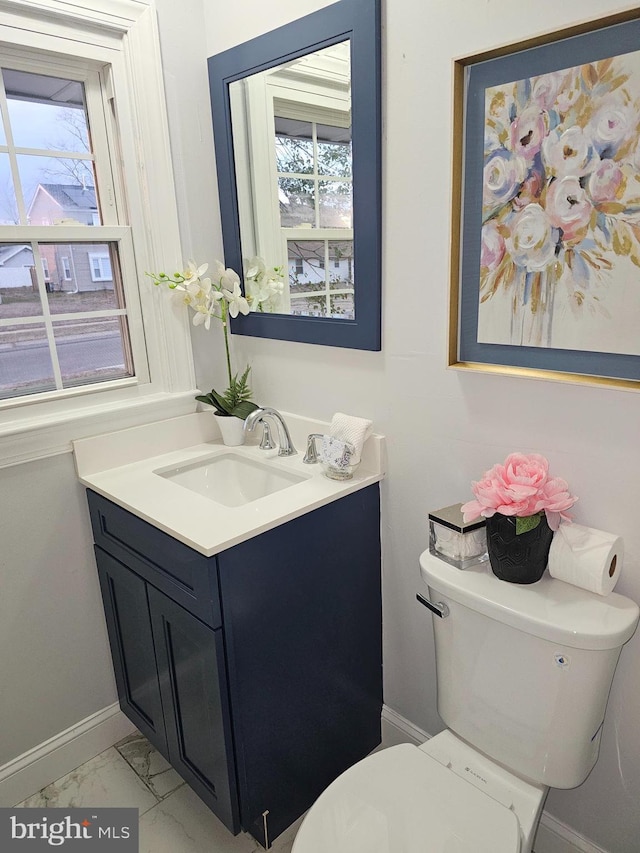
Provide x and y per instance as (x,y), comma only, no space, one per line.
(586,557)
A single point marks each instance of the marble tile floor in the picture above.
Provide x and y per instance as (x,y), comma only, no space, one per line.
(172,818)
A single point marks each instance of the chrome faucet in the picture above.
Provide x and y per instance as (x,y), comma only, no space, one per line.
(286,447)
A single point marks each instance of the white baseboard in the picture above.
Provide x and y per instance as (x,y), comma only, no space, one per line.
(553,836)
(33,770)
(556,837)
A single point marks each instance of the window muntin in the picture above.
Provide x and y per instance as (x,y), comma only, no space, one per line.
(83,317)
(314,167)
(314,173)
(54,149)
(321,278)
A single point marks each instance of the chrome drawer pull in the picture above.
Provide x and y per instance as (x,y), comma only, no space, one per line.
(439,607)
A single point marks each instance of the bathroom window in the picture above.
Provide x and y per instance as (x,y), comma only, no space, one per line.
(55,167)
(314,169)
(81,107)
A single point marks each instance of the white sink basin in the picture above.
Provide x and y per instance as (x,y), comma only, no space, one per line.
(230,479)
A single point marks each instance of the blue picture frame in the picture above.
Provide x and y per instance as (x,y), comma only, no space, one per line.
(359,22)
(592,42)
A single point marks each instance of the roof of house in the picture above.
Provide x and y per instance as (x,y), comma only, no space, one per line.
(8,252)
(72,196)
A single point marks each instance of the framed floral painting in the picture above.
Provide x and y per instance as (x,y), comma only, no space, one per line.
(546,218)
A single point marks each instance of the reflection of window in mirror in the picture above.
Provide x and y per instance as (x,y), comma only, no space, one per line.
(292,141)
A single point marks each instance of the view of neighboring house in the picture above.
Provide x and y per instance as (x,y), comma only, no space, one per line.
(16,265)
(71,267)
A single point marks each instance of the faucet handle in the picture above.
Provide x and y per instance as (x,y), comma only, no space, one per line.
(311,456)
(266,442)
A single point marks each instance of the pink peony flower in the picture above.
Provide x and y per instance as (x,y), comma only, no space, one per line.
(520,486)
(527,132)
(607,183)
(493,248)
(530,191)
(555,500)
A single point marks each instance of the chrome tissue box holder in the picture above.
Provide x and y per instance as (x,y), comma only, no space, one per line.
(462,544)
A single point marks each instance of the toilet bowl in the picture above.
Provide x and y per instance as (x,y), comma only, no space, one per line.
(523,677)
(441,797)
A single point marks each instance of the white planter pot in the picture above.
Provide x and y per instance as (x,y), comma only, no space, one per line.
(231,429)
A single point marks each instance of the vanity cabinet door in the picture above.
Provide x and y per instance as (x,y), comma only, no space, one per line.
(194,692)
(303,634)
(126,608)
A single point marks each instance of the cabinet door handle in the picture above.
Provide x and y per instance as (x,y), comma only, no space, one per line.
(439,607)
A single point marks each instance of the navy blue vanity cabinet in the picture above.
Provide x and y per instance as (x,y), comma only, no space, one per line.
(256,672)
(303,634)
(169,664)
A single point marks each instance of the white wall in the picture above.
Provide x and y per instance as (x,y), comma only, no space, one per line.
(445,428)
(55,668)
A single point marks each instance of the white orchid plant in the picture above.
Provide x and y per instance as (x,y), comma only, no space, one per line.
(218,297)
(264,285)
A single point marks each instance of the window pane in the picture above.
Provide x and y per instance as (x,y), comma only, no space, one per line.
(58,190)
(82,277)
(294,145)
(92,350)
(25,361)
(340,306)
(334,150)
(8,204)
(335,204)
(46,112)
(297,202)
(341,264)
(306,265)
(309,306)
(19,296)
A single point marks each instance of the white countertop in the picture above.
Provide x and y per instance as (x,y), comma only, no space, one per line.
(121,466)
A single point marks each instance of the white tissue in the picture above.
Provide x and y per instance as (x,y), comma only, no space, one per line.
(354,430)
(586,557)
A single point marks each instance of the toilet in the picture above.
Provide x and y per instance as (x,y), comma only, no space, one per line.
(523,678)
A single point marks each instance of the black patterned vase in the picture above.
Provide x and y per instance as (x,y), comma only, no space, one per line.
(517,559)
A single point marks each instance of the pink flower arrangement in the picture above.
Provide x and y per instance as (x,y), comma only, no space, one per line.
(521,486)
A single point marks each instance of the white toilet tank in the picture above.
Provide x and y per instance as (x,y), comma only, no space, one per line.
(524,671)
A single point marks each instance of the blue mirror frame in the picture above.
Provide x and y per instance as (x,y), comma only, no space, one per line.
(359,22)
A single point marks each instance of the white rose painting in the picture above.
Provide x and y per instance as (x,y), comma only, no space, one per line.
(560,248)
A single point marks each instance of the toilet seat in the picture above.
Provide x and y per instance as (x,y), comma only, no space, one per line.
(401,800)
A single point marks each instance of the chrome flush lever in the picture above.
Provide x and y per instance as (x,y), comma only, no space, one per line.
(439,607)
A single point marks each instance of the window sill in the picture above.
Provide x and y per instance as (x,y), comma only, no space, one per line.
(42,435)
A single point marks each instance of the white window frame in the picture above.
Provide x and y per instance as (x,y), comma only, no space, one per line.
(253,107)
(66,268)
(100,256)
(122,36)
(45,269)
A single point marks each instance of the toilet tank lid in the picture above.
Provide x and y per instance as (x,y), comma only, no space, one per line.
(550,609)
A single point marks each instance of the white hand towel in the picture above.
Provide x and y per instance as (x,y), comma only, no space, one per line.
(354,430)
